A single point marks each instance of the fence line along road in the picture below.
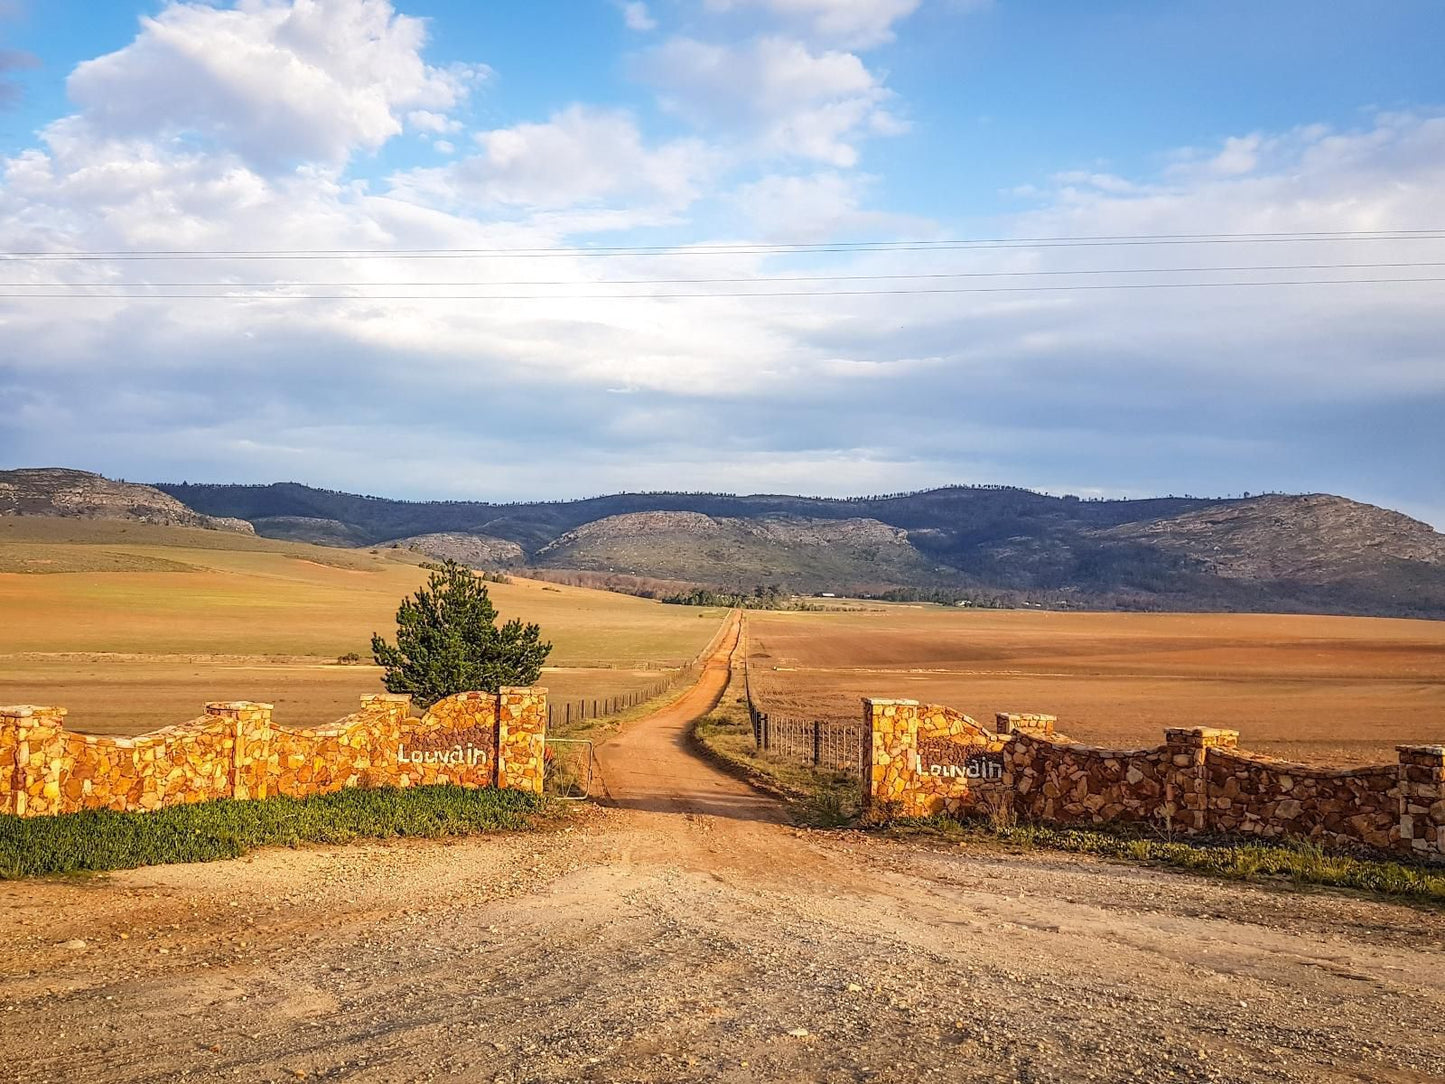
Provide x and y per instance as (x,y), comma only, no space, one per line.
(821,743)
(600,707)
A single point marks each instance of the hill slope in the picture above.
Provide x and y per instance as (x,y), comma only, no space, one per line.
(78,494)
(806,554)
(1329,537)
(1294,553)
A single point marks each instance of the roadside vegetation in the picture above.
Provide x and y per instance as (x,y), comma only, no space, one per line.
(1296,863)
(818,797)
(826,799)
(207,831)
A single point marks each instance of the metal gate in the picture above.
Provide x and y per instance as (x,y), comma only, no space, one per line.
(567,769)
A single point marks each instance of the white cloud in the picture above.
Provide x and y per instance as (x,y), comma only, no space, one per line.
(1313,387)
(278,81)
(788,99)
(578,156)
(1240,154)
(1071,180)
(801,208)
(1310,178)
(424,120)
(853,24)
(637,17)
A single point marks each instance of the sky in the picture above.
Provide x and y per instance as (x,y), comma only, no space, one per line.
(440,249)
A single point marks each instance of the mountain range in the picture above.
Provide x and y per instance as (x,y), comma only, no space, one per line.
(986,544)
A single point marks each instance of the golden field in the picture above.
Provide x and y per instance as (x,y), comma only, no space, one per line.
(133,626)
(1325,690)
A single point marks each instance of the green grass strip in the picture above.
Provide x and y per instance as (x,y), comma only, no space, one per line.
(206,831)
(1296,863)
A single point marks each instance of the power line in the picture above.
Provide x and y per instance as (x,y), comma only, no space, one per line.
(739,248)
(279,284)
(723,294)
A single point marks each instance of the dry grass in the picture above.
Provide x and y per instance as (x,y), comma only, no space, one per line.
(127,648)
(1317,689)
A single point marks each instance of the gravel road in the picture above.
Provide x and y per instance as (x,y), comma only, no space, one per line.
(685,932)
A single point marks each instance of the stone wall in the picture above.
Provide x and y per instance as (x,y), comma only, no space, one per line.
(1198,781)
(1255,795)
(1068,784)
(904,763)
(1422,799)
(235,750)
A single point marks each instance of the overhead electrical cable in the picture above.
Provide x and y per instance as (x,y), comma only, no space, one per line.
(740,248)
(293,284)
(77,296)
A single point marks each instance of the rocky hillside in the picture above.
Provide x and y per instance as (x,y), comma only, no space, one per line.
(805,554)
(476,550)
(77,494)
(1295,553)
(1329,538)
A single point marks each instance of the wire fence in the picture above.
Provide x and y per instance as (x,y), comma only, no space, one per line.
(565,714)
(599,707)
(820,742)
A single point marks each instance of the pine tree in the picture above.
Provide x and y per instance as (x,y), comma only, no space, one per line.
(447,641)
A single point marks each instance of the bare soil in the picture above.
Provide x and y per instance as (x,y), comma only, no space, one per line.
(685,932)
(1321,690)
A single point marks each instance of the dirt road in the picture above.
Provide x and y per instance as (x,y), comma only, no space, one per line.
(651,767)
(686,933)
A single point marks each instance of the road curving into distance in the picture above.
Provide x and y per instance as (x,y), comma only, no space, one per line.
(650,767)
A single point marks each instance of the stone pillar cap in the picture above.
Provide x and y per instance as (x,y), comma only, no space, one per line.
(1200,737)
(882,700)
(237,705)
(26,711)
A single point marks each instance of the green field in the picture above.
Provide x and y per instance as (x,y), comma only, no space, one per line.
(133,626)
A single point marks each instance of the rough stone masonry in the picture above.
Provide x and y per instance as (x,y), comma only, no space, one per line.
(1198,781)
(235,751)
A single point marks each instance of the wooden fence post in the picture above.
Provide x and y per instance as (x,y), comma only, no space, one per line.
(817,742)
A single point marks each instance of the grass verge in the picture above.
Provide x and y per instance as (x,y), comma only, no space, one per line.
(601,727)
(206,831)
(1291,862)
(817,797)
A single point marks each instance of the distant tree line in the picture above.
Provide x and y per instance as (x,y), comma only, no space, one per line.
(762,597)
